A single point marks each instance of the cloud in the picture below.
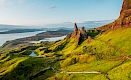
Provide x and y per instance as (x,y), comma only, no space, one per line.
(4,3)
(51,7)
(20,1)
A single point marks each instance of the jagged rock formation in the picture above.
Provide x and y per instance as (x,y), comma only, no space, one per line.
(78,35)
(124,19)
(83,32)
(75,27)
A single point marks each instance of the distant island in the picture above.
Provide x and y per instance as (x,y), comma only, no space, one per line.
(37,37)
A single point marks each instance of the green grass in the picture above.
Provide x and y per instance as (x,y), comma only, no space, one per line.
(122,72)
(9,65)
(103,54)
(5,59)
(100,66)
(92,66)
(107,49)
(109,45)
(89,77)
(23,68)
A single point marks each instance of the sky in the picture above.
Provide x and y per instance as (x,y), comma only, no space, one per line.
(42,12)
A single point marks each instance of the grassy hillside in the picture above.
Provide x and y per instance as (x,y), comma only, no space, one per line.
(107,53)
(25,68)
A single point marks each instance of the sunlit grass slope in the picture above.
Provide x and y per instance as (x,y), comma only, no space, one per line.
(25,68)
(9,65)
(107,53)
(112,56)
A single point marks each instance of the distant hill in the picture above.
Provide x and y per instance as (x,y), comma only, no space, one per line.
(10,27)
(20,31)
(86,24)
(65,25)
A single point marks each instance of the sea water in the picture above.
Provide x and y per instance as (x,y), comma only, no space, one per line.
(7,37)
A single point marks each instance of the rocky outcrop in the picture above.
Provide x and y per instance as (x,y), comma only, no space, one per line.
(83,32)
(79,34)
(75,27)
(89,39)
(124,19)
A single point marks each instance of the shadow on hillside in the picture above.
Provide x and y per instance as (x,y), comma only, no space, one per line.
(31,69)
(93,33)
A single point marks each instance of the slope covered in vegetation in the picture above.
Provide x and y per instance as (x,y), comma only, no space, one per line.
(106,53)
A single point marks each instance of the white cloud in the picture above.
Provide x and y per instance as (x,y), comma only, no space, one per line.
(6,3)
(51,7)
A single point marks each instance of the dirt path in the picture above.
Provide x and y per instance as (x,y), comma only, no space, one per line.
(93,72)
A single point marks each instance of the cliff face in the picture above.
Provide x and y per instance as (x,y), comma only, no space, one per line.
(78,34)
(124,19)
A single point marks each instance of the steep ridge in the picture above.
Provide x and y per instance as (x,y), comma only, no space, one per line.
(124,19)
